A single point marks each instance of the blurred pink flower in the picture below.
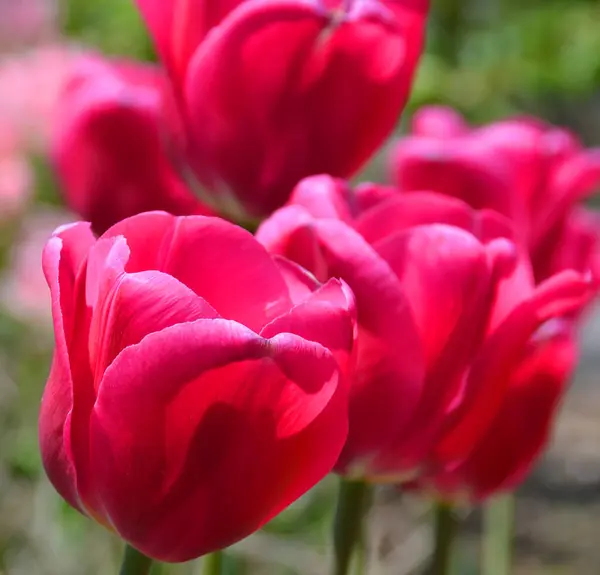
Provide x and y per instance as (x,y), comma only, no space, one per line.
(16,176)
(26,21)
(30,85)
(23,289)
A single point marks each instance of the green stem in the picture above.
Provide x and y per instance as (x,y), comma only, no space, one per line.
(446,524)
(135,563)
(498,520)
(353,502)
(212,564)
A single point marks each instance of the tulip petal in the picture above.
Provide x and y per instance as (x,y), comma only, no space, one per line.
(389,371)
(324,197)
(62,258)
(389,367)
(461,168)
(179,26)
(490,374)
(404,211)
(438,122)
(177,246)
(327,316)
(108,144)
(421,208)
(289,232)
(444,272)
(135,305)
(450,284)
(521,428)
(172,490)
(300,282)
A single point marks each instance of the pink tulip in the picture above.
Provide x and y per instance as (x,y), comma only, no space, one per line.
(447,307)
(533,173)
(197,386)
(271,92)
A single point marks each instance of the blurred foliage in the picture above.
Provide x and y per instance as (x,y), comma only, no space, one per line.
(497,57)
(112,26)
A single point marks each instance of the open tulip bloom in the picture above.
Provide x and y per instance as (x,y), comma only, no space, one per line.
(197,386)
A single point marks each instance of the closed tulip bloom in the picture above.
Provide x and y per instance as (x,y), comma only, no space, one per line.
(197,386)
(446,308)
(533,173)
(271,92)
(108,145)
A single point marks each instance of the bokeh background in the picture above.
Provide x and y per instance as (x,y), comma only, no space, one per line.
(489,59)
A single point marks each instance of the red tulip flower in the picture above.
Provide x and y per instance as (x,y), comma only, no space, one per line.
(271,92)
(197,384)
(446,310)
(108,148)
(533,173)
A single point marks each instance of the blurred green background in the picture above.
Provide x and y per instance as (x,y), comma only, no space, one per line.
(489,59)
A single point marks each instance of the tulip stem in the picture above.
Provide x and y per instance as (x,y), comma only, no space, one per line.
(498,517)
(445,527)
(212,564)
(353,502)
(135,563)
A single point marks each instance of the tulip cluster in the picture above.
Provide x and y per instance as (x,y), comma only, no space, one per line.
(420,333)
(456,343)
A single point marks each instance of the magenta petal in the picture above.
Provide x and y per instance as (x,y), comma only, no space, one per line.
(234,259)
(438,122)
(450,283)
(300,282)
(179,26)
(62,258)
(148,237)
(172,490)
(489,377)
(177,246)
(136,305)
(388,378)
(298,118)
(158,16)
(327,316)
(520,430)
(289,232)
(324,197)
(444,272)
(404,211)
